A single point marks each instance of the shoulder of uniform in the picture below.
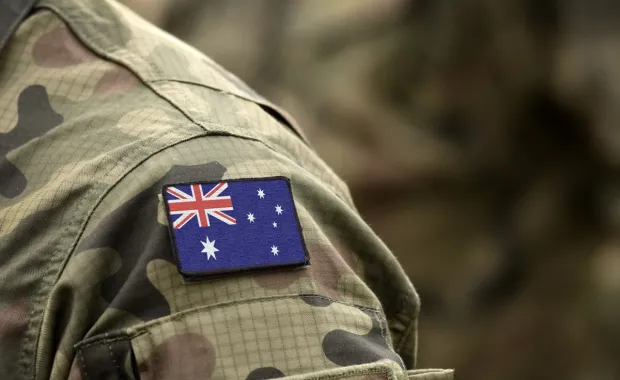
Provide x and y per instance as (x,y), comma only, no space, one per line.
(159,59)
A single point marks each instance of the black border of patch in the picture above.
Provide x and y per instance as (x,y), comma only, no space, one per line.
(205,275)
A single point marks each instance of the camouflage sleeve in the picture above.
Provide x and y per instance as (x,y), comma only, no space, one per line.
(349,314)
(102,112)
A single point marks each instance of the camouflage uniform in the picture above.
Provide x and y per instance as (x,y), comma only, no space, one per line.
(98,110)
(488,130)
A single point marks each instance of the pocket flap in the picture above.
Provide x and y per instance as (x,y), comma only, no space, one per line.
(270,337)
(431,374)
(381,370)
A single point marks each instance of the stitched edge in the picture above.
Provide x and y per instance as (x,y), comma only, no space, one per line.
(184,313)
(411,324)
(384,367)
(382,326)
(144,328)
(158,370)
(290,121)
(103,340)
(83,364)
(411,329)
(388,372)
(118,369)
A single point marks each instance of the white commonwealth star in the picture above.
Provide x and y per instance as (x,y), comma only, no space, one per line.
(209,248)
(275,225)
(279,209)
(274,250)
(251,217)
(261,193)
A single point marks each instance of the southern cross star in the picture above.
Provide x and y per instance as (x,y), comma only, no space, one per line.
(274,250)
(261,193)
(251,217)
(279,209)
(209,248)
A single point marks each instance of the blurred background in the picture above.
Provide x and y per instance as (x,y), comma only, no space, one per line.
(480,140)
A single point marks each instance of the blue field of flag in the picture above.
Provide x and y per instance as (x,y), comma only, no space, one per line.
(236,225)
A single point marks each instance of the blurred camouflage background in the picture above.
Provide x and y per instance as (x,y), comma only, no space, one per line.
(480,140)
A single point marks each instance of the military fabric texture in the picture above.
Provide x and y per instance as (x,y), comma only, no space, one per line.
(98,111)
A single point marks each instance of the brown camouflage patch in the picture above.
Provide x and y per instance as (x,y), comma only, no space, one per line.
(13,319)
(279,280)
(60,48)
(75,373)
(326,268)
(114,81)
(180,357)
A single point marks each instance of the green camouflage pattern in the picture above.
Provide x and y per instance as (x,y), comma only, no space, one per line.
(99,109)
(488,130)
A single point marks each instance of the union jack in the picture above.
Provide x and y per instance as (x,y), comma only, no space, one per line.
(200,205)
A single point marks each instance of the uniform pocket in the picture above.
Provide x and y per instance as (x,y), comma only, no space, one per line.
(283,336)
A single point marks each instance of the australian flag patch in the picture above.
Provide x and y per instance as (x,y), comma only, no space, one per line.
(224,227)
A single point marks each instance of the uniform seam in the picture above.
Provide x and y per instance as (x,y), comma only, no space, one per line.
(103,341)
(145,327)
(411,326)
(382,326)
(118,369)
(93,47)
(391,373)
(184,313)
(406,332)
(383,367)
(158,370)
(383,371)
(83,364)
(293,126)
